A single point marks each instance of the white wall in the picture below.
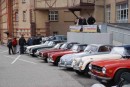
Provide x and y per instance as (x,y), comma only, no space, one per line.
(90,38)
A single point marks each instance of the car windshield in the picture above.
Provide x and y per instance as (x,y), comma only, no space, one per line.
(57,46)
(75,48)
(119,50)
(64,46)
(91,48)
(50,43)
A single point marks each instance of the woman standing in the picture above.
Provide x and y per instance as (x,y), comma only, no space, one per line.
(14,44)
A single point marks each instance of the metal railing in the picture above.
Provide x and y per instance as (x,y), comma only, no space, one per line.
(119,37)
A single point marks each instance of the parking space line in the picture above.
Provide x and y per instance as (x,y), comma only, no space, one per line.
(4,51)
(27,61)
(16,59)
(21,59)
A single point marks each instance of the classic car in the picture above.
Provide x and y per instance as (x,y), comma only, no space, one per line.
(55,57)
(64,47)
(50,45)
(124,82)
(28,48)
(55,37)
(92,49)
(57,46)
(81,67)
(111,70)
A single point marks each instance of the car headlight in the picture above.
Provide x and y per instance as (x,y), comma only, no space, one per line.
(90,66)
(104,70)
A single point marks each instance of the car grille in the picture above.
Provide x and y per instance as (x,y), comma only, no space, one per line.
(97,68)
(40,54)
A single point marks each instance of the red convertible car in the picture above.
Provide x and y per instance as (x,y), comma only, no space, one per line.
(111,70)
(54,57)
(66,46)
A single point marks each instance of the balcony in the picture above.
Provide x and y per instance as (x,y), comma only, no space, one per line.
(71,4)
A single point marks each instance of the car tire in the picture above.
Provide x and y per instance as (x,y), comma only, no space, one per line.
(79,73)
(86,71)
(46,60)
(118,75)
(57,60)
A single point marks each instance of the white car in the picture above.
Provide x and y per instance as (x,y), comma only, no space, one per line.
(28,48)
(92,49)
(80,65)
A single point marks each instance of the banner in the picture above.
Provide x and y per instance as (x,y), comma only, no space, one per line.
(90,28)
(75,28)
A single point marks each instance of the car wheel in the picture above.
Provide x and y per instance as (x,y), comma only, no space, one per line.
(86,71)
(79,73)
(46,60)
(56,62)
(118,75)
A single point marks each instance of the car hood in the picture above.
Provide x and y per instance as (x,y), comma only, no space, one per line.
(51,49)
(69,57)
(117,62)
(41,47)
(102,57)
(28,47)
(63,52)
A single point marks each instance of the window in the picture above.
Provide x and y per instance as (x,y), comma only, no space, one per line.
(24,16)
(108,14)
(53,16)
(122,13)
(23,1)
(16,16)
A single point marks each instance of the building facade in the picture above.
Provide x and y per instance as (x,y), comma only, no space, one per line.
(49,17)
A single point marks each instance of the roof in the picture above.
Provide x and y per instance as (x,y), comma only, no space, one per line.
(98,45)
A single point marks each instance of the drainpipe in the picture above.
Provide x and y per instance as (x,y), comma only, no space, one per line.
(35,15)
(104,11)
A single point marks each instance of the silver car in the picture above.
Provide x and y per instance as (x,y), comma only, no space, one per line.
(92,49)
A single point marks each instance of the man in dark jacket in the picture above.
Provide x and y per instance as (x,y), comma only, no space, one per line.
(22,43)
(91,20)
(9,45)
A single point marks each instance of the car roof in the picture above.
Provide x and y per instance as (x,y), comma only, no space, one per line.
(125,46)
(98,45)
(82,44)
(72,42)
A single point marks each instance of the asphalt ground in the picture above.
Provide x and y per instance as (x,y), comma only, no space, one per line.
(26,71)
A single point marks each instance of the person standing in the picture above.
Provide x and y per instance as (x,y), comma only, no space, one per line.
(22,43)
(9,45)
(91,20)
(14,44)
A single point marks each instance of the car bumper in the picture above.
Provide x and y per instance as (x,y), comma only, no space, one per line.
(49,60)
(103,79)
(75,67)
(64,65)
(37,53)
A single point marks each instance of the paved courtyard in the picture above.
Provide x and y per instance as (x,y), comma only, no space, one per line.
(26,71)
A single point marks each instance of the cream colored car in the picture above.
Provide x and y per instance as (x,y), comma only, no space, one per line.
(80,65)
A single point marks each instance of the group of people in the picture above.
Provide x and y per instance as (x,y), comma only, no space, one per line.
(82,21)
(12,44)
